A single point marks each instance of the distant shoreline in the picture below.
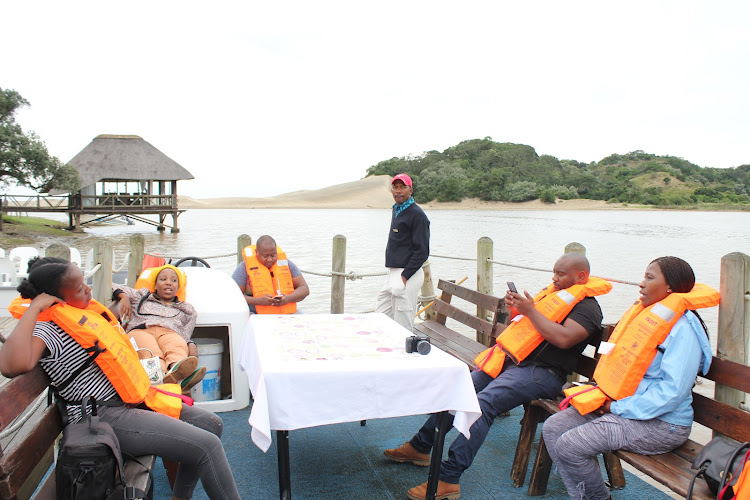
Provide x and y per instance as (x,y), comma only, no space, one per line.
(374,193)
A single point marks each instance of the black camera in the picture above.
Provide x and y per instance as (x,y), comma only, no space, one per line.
(418,343)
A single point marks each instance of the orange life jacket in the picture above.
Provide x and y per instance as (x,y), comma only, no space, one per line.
(274,281)
(741,489)
(147,279)
(637,337)
(119,361)
(520,338)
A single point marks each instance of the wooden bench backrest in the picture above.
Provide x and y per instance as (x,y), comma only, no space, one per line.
(26,457)
(587,364)
(721,417)
(445,310)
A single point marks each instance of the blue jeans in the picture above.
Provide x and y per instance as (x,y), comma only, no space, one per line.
(194,441)
(514,386)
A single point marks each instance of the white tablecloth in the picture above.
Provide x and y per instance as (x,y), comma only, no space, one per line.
(316,369)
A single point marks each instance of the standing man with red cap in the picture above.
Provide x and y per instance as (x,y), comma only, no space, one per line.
(407,249)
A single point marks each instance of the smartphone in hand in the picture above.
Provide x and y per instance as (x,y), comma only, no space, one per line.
(512,287)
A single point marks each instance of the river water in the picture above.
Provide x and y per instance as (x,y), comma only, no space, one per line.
(619,244)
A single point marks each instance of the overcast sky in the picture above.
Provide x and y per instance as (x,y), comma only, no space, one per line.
(261,98)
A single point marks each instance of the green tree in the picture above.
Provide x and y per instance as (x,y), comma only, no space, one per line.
(24,159)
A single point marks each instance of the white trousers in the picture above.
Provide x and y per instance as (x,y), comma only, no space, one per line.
(399,301)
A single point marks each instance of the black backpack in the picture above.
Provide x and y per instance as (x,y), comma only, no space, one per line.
(89,462)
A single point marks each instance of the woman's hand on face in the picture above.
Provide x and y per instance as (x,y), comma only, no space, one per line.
(43,301)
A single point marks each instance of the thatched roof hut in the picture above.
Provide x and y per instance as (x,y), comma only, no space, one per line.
(125,157)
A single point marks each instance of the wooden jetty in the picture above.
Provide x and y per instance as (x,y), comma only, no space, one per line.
(121,175)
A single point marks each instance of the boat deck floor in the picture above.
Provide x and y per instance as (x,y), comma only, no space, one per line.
(346,461)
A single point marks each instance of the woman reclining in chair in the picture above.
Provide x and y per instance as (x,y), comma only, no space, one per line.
(158,321)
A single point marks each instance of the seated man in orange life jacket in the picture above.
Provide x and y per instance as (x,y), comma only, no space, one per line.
(270,283)
(538,374)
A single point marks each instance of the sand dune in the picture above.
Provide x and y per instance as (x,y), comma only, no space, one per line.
(374,192)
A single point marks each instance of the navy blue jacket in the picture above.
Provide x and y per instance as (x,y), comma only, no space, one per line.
(408,241)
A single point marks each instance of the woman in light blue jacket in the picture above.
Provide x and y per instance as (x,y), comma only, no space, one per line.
(658,417)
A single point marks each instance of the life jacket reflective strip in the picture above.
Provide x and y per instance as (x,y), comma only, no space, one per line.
(147,279)
(520,338)
(118,361)
(637,337)
(262,280)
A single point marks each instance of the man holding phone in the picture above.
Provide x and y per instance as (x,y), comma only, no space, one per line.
(407,249)
(541,374)
(270,283)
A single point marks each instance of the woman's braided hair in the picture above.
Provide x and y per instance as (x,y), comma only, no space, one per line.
(680,277)
(678,273)
(46,274)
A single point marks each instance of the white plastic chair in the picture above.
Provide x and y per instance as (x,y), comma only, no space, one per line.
(2,252)
(23,255)
(8,275)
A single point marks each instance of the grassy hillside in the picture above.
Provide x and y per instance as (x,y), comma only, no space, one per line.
(489,170)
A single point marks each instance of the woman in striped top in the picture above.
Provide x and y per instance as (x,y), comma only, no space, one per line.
(193,440)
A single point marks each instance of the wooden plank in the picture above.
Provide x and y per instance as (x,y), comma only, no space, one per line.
(451,339)
(721,417)
(463,317)
(480,299)
(19,393)
(27,450)
(532,415)
(36,476)
(446,335)
(669,470)
(688,450)
(540,471)
(136,475)
(729,373)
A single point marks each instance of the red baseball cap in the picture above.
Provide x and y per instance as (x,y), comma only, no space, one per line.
(403,178)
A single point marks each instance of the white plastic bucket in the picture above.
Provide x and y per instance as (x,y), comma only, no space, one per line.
(209,355)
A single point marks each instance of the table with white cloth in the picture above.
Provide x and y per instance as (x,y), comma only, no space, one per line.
(307,370)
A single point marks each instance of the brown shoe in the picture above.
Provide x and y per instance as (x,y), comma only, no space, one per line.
(180,370)
(445,491)
(407,453)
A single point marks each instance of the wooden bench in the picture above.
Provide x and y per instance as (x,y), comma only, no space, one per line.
(671,469)
(26,456)
(456,343)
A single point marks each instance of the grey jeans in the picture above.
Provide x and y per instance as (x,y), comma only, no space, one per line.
(194,441)
(574,441)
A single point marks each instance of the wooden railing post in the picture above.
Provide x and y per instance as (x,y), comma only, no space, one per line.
(338,265)
(243,241)
(733,338)
(57,250)
(484,278)
(102,279)
(428,292)
(135,260)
